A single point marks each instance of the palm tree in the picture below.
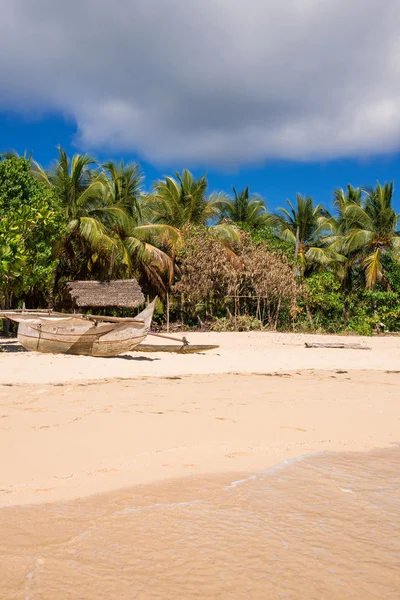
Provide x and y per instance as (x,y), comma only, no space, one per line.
(182,202)
(91,216)
(143,247)
(299,225)
(245,209)
(105,235)
(331,253)
(372,231)
(127,181)
(331,233)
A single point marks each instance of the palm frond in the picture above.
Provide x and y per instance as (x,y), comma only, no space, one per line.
(226,233)
(373,268)
(358,239)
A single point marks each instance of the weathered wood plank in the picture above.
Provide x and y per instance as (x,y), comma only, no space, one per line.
(337,345)
(8,314)
(190,349)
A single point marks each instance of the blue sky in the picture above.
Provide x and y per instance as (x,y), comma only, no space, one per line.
(276,180)
(286,97)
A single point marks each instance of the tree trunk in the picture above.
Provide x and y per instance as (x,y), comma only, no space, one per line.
(278,308)
(309,316)
(56,279)
(296,255)
(167,309)
(258,310)
(7,306)
(296,252)
(181,306)
(235,311)
(345,312)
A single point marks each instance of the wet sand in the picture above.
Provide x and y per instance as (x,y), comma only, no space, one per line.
(325,527)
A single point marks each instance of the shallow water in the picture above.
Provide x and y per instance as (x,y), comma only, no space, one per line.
(326,526)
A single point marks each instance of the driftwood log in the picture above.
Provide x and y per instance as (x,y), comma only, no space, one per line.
(338,345)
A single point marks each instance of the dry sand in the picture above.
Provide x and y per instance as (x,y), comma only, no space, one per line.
(238,353)
(76,426)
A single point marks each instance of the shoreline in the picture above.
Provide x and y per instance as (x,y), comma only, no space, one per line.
(78,440)
(206,536)
(293,526)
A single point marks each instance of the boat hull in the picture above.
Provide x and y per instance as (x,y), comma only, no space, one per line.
(86,345)
(82,337)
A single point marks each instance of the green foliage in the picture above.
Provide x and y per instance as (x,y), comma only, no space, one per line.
(364,230)
(384,310)
(299,225)
(245,210)
(322,299)
(105,235)
(362,311)
(12,257)
(182,201)
(360,324)
(30,226)
(265,234)
(391,268)
(373,312)
(323,292)
(222,259)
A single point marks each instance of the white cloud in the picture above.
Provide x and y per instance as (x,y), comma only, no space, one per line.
(209,81)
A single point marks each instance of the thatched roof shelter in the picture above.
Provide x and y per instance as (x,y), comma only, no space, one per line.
(124,293)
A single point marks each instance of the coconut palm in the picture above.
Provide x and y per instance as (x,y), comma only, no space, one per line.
(92,217)
(331,233)
(300,226)
(182,202)
(143,247)
(339,225)
(245,209)
(105,235)
(372,231)
(127,180)
(331,252)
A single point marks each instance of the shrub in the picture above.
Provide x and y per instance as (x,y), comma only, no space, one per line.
(241,323)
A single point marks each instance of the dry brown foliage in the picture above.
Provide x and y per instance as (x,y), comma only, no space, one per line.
(247,280)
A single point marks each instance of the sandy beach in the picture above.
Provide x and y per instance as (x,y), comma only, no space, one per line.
(197,456)
(77,426)
(243,353)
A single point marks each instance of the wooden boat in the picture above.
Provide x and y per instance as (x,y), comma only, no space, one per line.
(86,335)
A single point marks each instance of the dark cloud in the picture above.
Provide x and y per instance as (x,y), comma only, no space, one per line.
(216,81)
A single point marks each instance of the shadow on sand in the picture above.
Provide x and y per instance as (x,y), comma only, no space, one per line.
(11,346)
(137,358)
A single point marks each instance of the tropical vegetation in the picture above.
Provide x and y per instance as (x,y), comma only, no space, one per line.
(216,260)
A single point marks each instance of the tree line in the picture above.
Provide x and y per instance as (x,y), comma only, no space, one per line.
(214,259)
